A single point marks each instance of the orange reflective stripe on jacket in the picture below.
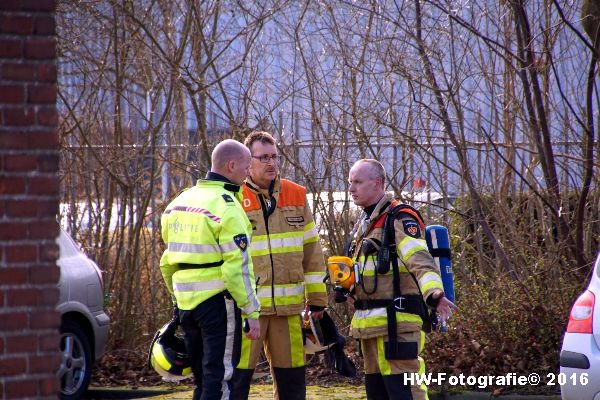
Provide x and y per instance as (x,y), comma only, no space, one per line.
(409,210)
(291,195)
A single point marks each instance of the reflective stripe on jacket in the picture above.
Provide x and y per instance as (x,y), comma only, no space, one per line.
(206,226)
(413,258)
(286,253)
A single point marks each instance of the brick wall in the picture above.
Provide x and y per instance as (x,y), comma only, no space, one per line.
(28,200)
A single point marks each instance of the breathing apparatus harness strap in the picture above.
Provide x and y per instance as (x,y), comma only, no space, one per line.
(410,303)
(416,305)
(387,256)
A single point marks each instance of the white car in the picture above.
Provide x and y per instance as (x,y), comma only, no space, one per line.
(580,354)
(84,324)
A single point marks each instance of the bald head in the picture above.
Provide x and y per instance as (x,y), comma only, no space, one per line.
(367,182)
(373,169)
(232,160)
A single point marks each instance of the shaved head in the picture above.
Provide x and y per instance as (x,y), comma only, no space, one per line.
(373,168)
(367,182)
(227,150)
(231,159)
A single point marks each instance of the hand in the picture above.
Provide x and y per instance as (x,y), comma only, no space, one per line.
(254,331)
(445,307)
(316,315)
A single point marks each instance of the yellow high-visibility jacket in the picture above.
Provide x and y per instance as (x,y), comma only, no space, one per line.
(206,226)
(413,258)
(286,253)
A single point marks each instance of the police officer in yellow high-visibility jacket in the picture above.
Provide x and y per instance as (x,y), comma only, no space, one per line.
(390,363)
(288,262)
(208,269)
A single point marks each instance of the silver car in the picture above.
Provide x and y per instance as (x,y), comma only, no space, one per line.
(84,324)
(580,354)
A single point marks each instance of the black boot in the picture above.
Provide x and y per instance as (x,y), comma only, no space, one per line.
(396,387)
(375,387)
(291,383)
(241,383)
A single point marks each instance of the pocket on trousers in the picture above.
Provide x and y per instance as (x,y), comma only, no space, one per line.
(401,350)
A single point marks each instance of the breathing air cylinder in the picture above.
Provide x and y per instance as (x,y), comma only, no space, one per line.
(438,243)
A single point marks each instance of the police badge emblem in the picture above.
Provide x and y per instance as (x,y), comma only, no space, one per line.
(241,241)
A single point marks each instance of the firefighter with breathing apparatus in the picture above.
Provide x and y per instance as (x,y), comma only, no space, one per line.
(394,283)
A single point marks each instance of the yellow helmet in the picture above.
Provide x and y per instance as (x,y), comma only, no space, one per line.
(168,355)
(341,271)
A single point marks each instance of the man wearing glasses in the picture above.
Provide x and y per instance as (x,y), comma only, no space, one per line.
(288,264)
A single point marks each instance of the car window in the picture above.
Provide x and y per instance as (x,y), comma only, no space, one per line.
(67,247)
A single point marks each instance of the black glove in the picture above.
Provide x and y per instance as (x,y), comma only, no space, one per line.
(340,297)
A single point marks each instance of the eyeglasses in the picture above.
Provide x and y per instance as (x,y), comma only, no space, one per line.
(265,158)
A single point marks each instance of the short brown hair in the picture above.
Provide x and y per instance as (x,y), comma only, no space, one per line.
(258,136)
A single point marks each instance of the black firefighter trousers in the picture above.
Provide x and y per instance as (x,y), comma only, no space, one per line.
(212,334)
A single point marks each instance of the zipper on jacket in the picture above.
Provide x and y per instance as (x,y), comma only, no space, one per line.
(266,214)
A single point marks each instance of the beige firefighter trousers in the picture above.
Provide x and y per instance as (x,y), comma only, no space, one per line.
(376,363)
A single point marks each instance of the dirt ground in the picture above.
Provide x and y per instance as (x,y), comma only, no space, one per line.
(265,391)
(125,375)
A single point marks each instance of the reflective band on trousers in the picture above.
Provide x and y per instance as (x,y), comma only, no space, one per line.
(229,343)
(198,286)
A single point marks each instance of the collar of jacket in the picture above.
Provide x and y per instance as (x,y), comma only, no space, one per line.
(381,207)
(267,193)
(227,185)
(214,176)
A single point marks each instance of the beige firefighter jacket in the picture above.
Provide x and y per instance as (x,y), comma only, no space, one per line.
(285,249)
(418,270)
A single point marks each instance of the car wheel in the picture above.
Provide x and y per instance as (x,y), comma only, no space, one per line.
(75,368)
